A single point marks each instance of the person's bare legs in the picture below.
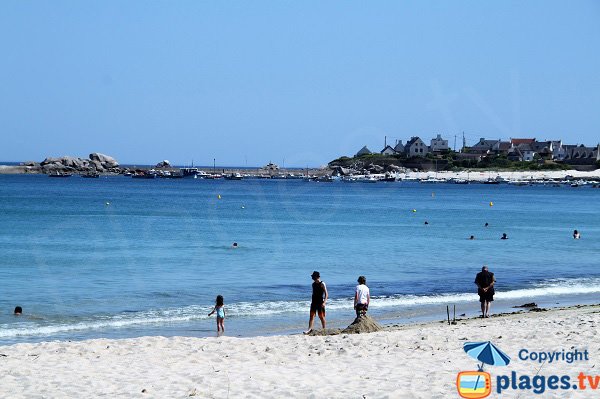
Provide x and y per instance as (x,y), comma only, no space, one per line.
(311,321)
(487,308)
(322,317)
(482,308)
(222,323)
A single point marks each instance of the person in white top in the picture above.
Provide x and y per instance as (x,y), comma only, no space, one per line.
(362,297)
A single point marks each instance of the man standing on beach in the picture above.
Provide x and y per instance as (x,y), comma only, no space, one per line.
(485,288)
(319,298)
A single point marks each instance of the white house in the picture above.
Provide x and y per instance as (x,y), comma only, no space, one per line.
(558,151)
(388,150)
(439,144)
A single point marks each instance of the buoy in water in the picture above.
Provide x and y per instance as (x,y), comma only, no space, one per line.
(414,210)
(491,203)
(219,196)
(107,203)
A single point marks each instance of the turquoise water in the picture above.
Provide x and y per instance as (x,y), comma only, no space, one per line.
(152,260)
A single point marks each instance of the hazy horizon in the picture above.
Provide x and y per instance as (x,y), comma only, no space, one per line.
(294,83)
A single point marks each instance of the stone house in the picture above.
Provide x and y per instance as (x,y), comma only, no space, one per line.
(438,144)
(415,147)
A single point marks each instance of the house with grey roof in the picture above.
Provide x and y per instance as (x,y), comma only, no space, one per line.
(484,146)
(514,154)
(543,149)
(399,147)
(388,150)
(502,147)
(415,147)
(582,155)
(527,151)
(363,151)
(438,144)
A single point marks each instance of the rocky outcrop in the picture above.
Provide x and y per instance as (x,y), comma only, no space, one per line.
(106,161)
(163,164)
(375,168)
(97,162)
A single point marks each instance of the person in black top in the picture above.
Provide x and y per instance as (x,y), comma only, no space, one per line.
(485,288)
(319,298)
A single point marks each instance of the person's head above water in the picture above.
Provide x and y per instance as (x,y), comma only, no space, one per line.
(18,311)
(504,236)
(234,245)
(472,238)
(362,280)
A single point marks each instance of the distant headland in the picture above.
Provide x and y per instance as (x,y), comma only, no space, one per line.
(517,154)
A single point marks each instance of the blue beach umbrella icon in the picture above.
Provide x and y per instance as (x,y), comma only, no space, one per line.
(487,353)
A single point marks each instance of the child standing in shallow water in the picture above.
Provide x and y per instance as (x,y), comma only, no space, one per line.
(220,310)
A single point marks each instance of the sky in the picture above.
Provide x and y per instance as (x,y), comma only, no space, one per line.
(297,83)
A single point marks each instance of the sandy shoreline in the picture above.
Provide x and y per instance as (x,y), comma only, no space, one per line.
(414,361)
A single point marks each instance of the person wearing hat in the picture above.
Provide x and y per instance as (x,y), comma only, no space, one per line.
(319,298)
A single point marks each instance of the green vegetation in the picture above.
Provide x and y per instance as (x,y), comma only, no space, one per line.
(449,160)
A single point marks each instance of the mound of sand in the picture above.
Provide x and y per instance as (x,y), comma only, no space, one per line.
(362,325)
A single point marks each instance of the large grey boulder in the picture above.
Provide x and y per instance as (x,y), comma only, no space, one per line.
(393,168)
(50,160)
(97,165)
(375,168)
(106,161)
(163,164)
(74,162)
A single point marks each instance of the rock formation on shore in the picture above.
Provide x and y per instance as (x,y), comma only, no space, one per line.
(163,164)
(97,163)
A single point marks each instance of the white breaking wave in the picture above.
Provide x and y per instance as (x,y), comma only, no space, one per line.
(557,287)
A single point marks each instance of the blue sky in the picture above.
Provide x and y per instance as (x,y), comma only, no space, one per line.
(296,82)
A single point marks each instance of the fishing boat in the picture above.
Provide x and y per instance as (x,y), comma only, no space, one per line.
(491,181)
(190,172)
(234,176)
(144,175)
(324,179)
(460,181)
(389,177)
(432,180)
(59,174)
(93,175)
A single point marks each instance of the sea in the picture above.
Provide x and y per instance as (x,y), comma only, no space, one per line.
(117,257)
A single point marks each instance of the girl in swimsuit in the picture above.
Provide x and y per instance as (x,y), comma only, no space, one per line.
(219,309)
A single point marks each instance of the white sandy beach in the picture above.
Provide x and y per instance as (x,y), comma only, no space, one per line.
(417,361)
(483,175)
